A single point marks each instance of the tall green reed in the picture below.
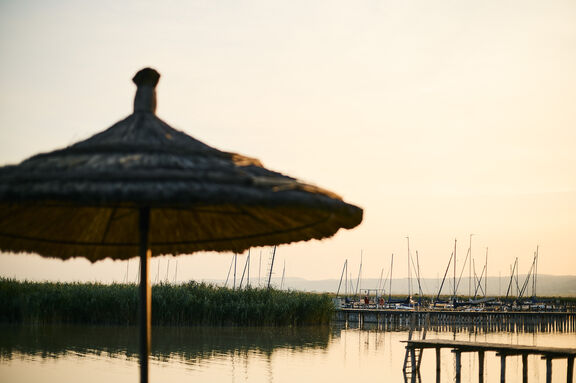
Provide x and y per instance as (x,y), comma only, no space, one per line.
(172,305)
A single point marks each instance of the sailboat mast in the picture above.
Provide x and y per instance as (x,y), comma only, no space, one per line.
(418,275)
(283,274)
(259,268)
(517,275)
(359,273)
(409,273)
(470,265)
(475,281)
(229,270)
(248,277)
(271,266)
(246,267)
(176,272)
(346,267)
(454,252)
(341,277)
(510,287)
(158,271)
(443,279)
(379,282)
(391,267)
(486,278)
(536,272)
(167,269)
(235,260)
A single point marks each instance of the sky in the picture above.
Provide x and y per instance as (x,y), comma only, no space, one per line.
(440,119)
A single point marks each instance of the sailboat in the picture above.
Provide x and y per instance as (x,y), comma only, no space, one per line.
(407,303)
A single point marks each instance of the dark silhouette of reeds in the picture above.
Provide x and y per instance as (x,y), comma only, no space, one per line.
(187,304)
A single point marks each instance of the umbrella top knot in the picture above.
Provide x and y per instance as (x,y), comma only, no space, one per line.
(146,80)
(146,76)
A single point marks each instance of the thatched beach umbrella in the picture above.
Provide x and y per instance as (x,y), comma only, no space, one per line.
(142,188)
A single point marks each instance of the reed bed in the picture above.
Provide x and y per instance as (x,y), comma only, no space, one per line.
(172,305)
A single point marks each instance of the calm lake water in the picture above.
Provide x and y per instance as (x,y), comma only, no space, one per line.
(62,354)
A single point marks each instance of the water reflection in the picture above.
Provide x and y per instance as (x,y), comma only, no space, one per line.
(186,343)
(60,354)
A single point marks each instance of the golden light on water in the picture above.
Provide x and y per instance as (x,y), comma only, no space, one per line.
(239,354)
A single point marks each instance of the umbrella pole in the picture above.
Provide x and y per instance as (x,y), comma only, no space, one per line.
(145,293)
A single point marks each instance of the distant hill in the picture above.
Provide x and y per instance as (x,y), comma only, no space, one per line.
(546,285)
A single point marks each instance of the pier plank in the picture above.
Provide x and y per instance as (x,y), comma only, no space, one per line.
(502,348)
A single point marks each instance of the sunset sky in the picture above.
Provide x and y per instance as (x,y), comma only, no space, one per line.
(439,118)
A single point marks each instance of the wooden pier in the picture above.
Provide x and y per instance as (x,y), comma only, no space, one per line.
(446,320)
(416,348)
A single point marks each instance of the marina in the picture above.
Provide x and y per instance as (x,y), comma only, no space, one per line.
(421,322)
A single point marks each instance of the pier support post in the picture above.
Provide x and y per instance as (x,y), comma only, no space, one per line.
(458,365)
(502,368)
(481,366)
(570,370)
(548,370)
(524,368)
(438,364)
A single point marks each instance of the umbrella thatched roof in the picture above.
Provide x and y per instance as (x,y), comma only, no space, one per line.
(83,200)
